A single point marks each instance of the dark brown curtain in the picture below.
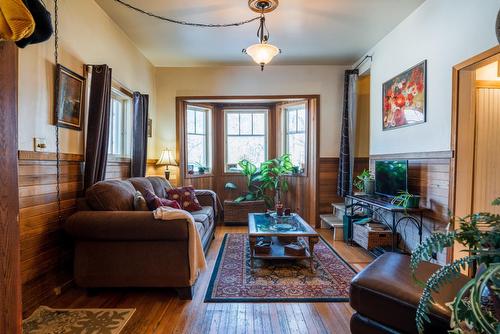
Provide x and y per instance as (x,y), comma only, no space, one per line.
(140,135)
(96,152)
(347,144)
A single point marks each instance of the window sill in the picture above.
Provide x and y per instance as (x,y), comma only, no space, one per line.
(198,176)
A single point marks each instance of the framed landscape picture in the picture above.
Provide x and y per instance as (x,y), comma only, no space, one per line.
(69,98)
(404,98)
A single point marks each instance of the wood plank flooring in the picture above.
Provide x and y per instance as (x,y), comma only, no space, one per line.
(159,311)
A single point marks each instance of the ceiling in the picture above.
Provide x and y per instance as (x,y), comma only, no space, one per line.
(307,31)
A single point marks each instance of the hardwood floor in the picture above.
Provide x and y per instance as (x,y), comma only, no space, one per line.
(160,311)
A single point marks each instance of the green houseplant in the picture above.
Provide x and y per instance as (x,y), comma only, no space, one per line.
(406,200)
(479,233)
(365,182)
(273,173)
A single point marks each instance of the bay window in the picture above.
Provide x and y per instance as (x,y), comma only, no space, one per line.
(295,133)
(198,142)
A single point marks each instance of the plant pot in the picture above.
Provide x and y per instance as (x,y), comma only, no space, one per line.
(413,202)
(369,187)
(201,171)
(238,212)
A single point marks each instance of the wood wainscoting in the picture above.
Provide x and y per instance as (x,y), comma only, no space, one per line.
(328,173)
(46,252)
(118,168)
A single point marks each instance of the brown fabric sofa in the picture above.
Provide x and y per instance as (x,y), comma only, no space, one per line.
(385,297)
(116,246)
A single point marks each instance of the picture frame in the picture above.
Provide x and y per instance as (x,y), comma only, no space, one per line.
(404,98)
(69,98)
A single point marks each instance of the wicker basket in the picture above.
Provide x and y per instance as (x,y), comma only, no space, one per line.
(238,212)
(369,239)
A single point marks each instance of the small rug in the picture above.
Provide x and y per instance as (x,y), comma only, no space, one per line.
(46,320)
(277,280)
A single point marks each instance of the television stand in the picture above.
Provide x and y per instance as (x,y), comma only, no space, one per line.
(380,208)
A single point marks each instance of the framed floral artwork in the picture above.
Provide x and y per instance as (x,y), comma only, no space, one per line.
(70,90)
(404,98)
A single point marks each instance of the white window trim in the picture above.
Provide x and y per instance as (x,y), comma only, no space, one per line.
(265,135)
(285,134)
(207,134)
(127,123)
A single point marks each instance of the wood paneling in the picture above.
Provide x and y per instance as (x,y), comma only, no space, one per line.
(10,287)
(46,252)
(328,172)
(160,311)
(118,169)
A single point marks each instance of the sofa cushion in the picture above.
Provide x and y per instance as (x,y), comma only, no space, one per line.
(186,198)
(111,195)
(140,202)
(205,210)
(385,292)
(154,202)
(203,219)
(141,184)
(160,185)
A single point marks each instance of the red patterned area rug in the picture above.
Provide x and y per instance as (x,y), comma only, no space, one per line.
(277,280)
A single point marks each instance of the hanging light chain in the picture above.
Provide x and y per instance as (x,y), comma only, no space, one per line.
(204,25)
(56,59)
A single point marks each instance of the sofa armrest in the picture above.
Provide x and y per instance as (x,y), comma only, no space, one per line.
(208,198)
(124,226)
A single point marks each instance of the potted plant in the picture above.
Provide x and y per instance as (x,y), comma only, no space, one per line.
(479,233)
(272,175)
(406,200)
(201,169)
(253,200)
(365,182)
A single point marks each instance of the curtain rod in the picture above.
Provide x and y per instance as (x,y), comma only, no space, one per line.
(361,62)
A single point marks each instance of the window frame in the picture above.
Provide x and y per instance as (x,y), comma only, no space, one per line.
(284,131)
(245,110)
(126,126)
(209,143)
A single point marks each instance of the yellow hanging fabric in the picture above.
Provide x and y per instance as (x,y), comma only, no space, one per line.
(16,21)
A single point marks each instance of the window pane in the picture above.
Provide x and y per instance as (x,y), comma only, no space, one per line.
(233,124)
(259,124)
(190,121)
(292,120)
(246,124)
(301,119)
(296,146)
(200,122)
(196,149)
(251,148)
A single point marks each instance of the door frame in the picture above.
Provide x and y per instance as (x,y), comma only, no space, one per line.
(10,261)
(462,139)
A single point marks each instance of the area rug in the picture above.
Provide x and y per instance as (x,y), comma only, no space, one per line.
(277,280)
(46,320)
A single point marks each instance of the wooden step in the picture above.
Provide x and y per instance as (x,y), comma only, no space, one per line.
(338,209)
(333,222)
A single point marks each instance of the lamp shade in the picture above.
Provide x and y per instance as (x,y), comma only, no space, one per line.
(167,158)
(262,53)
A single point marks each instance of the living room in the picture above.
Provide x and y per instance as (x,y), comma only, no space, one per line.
(157,179)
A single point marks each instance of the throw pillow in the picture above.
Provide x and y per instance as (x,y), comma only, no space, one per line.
(155,202)
(186,198)
(140,202)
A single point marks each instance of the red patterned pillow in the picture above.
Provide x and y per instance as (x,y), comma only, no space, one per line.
(154,202)
(186,198)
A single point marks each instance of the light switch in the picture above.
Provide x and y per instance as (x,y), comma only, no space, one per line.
(40,144)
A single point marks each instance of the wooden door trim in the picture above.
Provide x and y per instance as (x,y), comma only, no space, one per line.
(10,274)
(468,65)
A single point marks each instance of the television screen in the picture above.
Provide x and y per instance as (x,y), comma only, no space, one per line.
(391,177)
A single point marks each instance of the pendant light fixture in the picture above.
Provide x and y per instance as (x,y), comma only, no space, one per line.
(263,52)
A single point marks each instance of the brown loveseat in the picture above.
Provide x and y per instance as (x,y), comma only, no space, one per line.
(116,246)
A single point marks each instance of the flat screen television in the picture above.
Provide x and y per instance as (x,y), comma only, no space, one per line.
(391,177)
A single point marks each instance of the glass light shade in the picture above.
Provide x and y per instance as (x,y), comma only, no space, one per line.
(262,53)
(167,158)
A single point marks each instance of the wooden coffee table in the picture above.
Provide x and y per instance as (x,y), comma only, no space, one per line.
(264,225)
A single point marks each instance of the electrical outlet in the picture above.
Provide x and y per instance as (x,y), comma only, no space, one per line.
(40,144)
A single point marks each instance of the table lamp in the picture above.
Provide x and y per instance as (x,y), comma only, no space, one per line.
(166,159)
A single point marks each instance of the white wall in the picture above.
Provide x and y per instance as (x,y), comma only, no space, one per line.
(87,36)
(327,81)
(445,32)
